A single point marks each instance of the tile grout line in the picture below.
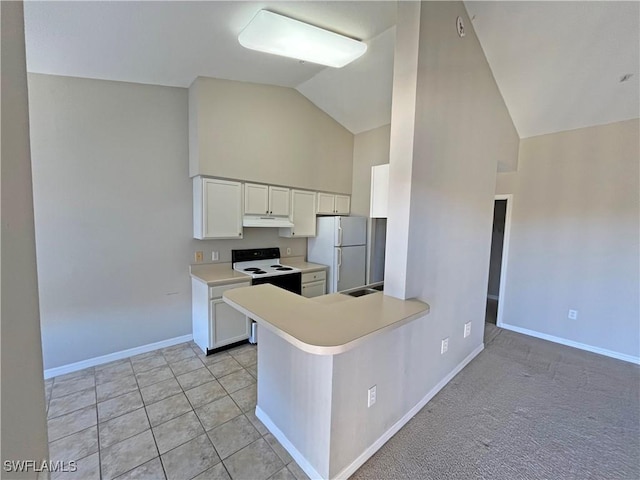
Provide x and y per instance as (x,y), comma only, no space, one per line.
(200,421)
(98,430)
(144,405)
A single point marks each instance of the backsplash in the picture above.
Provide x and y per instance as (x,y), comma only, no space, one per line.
(253,238)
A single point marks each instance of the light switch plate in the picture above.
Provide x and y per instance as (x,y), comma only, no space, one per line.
(444,346)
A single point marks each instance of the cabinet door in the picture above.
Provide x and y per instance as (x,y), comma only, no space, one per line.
(303,215)
(313,289)
(279,200)
(256,199)
(326,203)
(343,204)
(227,324)
(221,208)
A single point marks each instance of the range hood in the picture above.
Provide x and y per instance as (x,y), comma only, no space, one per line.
(260,221)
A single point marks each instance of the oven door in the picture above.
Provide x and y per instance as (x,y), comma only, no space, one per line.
(291,282)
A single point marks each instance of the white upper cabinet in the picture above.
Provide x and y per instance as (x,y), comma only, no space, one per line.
(379,191)
(326,204)
(343,204)
(256,199)
(266,200)
(330,204)
(303,215)
(217,208)
(279,201)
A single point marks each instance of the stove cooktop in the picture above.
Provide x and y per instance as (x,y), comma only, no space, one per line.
(260,262)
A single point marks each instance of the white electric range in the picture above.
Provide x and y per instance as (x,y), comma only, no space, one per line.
(263,266)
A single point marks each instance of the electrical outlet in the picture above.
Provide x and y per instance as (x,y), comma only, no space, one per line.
(288,251)
(371,397)
(444,346)
(215,256)
(573,315)
(199,256)
(467,329)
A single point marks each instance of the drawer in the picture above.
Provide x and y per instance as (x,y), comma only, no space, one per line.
(216,292)
(314,276)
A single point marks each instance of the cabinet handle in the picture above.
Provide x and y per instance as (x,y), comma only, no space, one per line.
(267,212)
(293,233)
(239,234)
(271,212)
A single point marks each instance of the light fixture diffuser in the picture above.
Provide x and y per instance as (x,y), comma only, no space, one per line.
(272,33)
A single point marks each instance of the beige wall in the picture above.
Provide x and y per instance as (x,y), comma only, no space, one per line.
(113,205)
(24,426)
(268,134)
(575,237)
(369,148)
(462,129)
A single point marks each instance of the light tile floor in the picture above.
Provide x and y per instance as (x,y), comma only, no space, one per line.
(173,413)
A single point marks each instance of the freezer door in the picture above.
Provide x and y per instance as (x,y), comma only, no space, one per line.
(349,266)
(350,231)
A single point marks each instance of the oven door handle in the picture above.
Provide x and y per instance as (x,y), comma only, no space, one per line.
(339,265)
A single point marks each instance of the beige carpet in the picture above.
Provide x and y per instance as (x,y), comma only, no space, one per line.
(523,409)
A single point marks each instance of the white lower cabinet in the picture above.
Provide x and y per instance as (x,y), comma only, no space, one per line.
(216,324)
(314,284)
(314,289)
(227,325)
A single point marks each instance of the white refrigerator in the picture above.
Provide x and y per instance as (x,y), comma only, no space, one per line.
(340,243)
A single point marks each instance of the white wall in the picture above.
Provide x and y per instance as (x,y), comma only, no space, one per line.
(401,144)
(462,129)
(24,426)
(575,237)
(267,134)
(113,210)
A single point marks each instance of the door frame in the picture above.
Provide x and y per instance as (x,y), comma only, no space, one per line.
(505,255)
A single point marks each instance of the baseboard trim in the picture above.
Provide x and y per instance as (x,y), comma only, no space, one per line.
(375,446)
(92,362)
(570,343)
(492,297)
(284,441)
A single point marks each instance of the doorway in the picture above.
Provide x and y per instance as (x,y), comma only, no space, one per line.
(497,262)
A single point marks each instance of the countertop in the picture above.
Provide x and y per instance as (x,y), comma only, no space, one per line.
(221,273)
(326,325)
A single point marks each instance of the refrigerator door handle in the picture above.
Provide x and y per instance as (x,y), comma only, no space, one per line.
(339,232)
(339,265)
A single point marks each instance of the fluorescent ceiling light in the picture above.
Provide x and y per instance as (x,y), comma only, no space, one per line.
(272,33)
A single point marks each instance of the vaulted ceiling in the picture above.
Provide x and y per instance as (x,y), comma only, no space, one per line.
(557,64)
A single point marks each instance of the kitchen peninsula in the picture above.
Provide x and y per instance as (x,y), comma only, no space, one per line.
(319,360)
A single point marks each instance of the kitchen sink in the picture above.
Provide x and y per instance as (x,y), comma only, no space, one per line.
(361,292)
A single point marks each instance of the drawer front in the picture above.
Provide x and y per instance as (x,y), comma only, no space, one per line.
(216,292)
(314,276)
